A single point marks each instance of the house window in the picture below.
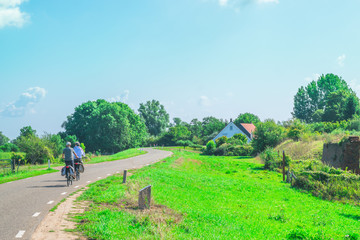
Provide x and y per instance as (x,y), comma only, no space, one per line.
(231,128)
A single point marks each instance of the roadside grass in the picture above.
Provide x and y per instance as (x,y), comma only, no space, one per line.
(4,178)
(118,156)
(28,170)
(5,155)
(208,197)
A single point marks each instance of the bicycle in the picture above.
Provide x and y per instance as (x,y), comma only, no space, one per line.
(77,165)
(69,177)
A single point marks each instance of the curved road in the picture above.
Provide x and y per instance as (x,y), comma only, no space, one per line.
(24,203)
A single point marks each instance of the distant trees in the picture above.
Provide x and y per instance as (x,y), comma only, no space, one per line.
(3,139)
(247,118)
(155,117)
(328,99)
(106,127)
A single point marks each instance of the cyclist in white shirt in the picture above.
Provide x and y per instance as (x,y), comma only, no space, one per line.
(79,152)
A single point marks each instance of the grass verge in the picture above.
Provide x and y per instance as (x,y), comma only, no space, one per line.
(208,197)
(118,156)
(24,174)
(35,170)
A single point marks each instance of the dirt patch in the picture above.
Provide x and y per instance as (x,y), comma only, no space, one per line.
(178,162)
(57,224)
(198,162)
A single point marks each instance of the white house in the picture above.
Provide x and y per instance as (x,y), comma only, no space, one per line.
(231,129)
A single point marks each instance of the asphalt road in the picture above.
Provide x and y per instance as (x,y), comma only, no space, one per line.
(24,203)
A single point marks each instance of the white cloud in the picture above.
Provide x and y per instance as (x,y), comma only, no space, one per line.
(121,98)
(268,1)
(315,77)
(223,2)
(355,85)
(11,15)
(24,103)
(205,101)
(237,4)
(341,60)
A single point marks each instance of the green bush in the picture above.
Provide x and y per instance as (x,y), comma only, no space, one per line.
(221,140)
(267,134)
(9,147)
(210,148)
(271,159)
(35,149)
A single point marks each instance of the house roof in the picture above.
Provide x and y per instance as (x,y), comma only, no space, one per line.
(249,127)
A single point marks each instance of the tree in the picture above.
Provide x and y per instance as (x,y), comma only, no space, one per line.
(211,125)
(155,117)
(247,118)
(179,132)
(335,106)
(3,139)
(35,149)
(27,131)
(318,101)
(106,127)
(267,134)
(54,142)
(295,130)
(196,128)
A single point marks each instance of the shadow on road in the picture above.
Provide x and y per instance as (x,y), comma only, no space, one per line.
(49,186)
(53,181)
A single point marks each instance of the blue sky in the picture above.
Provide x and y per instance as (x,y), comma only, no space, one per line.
(198,57)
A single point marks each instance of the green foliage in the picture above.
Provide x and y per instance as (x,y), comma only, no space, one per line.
(184,143)
(179,132)
(155,117)
(267,134)
(327,99)
(212,126)
(9,147)
(106,127)
(55,143)
(210,148)
(238,139)
(3,139)
(19,158)
(295,130)
(27,131)
(35,149)
(271,159)
(82,145)
(247,118)
(221,140)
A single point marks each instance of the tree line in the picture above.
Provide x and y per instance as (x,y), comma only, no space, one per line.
(323,105)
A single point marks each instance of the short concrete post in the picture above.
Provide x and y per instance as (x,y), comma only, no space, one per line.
(283,166)
(12,165)
(124,176)
(48,163)
(145,197)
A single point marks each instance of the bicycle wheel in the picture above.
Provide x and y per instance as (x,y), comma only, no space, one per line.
(68,180)
(77,175)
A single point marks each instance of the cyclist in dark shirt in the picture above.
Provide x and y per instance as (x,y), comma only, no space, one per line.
(68,155)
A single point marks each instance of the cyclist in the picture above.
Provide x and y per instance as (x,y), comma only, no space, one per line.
(79,152)
(68,156)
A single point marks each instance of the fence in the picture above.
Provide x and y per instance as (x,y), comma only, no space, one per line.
(7,165)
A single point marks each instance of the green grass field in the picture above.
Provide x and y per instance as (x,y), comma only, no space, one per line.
(202,197)
(5,155)
(35,170)
(118,156)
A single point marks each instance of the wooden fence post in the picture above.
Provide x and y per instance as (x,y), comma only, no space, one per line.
(283,163)
(124,176)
